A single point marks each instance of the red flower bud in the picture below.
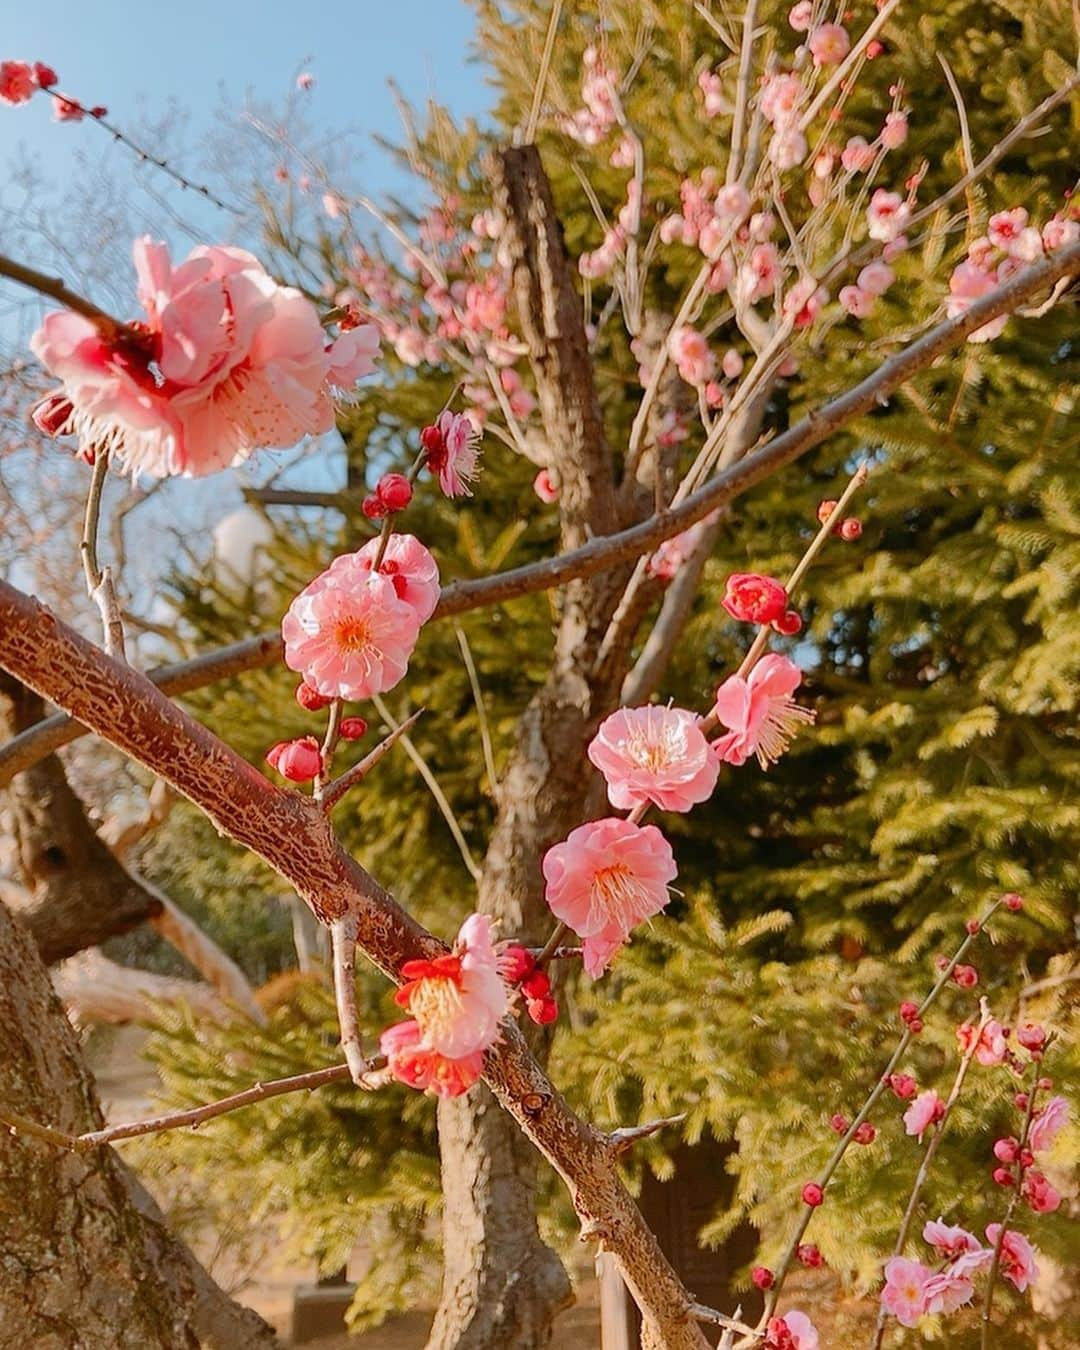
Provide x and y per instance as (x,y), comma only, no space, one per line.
(352,728)
(298,760)
(1026,1157)
(810,1255)
(753,598)
(536,985)
(99,110)
(839,1123)
(915,1026)
(812,1194)
(45,75)
(1006,1150)
(903,1085)
(1012,901)
(850,529)
(431,438)
(374,508)
(972,926)
(1002,1176)
(941,962)
(825,509)
(967,977)
(309,697)
(1020,1101)
(874,48)
(762,1277)
(865,1134)
(52,413)
(788,624)
(394,491)
(542,1010)
(515,962)
(908,1010)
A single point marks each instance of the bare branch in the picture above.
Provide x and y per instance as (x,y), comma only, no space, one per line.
(334,791)
(621,1141)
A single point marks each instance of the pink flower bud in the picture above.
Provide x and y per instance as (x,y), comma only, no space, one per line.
(810,1255)
(908,1010)
(850,529)
(972,927)
(1002,1176)
(839,1123)
(865,1134)
(966,977)
(788,624)
(903,1085)
(309,698)
(1045,1084)
(825,509)
(374,508)
(1013,901)
(1020,1101)
(545,487)
(1026,1157)
(394,491)
(298,760)
(352,728)
(51,414)
(762,1277)
(1039,1194)
(915,1026)
(1031,1037)
(812,1194)
(1006,1150)
(515,963)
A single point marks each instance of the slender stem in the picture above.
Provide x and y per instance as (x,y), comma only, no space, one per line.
(742,92)
(159,163)
(481,712)
(840,73)
(842,1146)
(343,935)
(928,1158)
(542,73)
(193,1117)
(334,791)
(329,745)
(99,583)
(551,946)
(1018,1181)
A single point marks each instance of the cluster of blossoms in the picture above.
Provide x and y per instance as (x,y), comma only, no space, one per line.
(227,361)
(1009,245)
(913,1290)
(21,80)
(592,122)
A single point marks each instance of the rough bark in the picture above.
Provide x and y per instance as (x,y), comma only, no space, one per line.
(291,834)
(79,894)
(81,1268)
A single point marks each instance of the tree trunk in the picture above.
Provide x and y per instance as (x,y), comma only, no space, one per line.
(81,1266)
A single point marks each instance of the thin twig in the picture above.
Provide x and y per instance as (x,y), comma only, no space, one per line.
(334,791)
(53,287)
(99,582)
(481,712)
(192,1117)
(441,800)
(841,71)
(328,748)
(542,73)
(742,93)
(624,1139)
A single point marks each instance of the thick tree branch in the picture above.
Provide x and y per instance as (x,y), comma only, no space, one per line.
(291,834)
(461,596)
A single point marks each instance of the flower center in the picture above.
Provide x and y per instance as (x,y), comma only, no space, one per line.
(353,634)
(650,752)
(616,888)
(436,1003)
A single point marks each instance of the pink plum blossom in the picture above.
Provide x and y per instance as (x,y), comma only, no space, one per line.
(732,203)
(1005,227)
(759,711)
(829,44)
(453,453)
(992,1045)
(804,302)
(458,1000)
(856,301)
(904,1294)
(413,1062)
(231,362)
(690,352)
(1058,232)
(923,1112)
(857,155)
(895,131)
(788,148)
(759,274)
(1017,1256)
(802,1331)
(654,754)
(1047,1124)
(887,215)
(410,567)
(732,364)
(348,632)
(545,487)
(604,879)
(948,1239)
(712,87)
(970,282)
(876,277)
(947,1290)
(1039,1194)
(67,109)
(801,15)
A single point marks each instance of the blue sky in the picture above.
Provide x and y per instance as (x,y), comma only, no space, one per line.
(136,57)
